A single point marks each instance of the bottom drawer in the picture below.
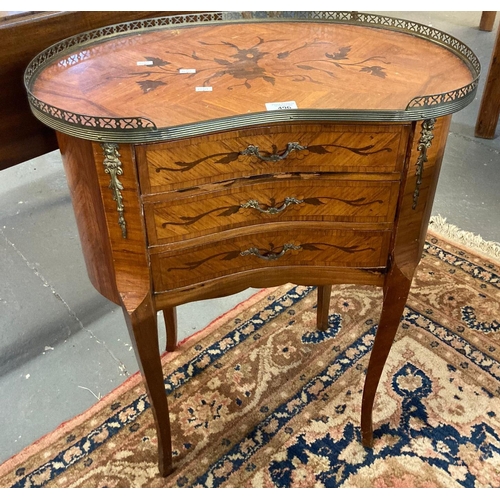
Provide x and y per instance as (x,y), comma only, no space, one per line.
(297,246)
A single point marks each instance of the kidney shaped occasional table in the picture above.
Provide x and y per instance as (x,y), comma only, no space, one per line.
(209,153)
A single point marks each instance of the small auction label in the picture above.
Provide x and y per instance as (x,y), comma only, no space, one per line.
(203,89)
(144,63)
(273,106)
(187,70)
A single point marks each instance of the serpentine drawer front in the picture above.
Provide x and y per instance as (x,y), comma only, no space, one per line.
(292,148)
(321,198)
(209,153)
(292,245)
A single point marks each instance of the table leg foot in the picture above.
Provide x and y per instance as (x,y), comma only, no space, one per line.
(143,330)
(367,438)
(164,468)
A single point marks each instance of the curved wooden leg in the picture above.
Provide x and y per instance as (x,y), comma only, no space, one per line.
(144,335)
(396,289)
(170,317)
(324,293)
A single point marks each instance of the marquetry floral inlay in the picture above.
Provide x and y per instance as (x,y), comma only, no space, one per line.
(244,65)
(225,158)
(274,252)
(274,208)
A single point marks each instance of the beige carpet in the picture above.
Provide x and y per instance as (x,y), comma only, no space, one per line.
(260,398)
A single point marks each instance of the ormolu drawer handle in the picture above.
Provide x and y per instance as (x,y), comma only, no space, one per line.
(271,210)
(270,255)
(254,151)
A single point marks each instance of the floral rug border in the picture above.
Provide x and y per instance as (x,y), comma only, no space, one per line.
(488,274)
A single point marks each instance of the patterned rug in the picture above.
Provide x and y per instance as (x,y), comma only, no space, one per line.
(260,398)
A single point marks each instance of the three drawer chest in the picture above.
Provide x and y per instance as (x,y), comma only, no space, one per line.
(209,153)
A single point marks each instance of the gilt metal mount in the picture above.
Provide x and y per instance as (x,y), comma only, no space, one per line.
(424,144)
(113,167)
(252,150)
(270,256)
(272,210)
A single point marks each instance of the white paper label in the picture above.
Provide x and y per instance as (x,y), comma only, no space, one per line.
(144,63)
(273,106)
(187,70)
(203,89)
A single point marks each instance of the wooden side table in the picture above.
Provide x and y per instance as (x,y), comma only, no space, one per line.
(209,153)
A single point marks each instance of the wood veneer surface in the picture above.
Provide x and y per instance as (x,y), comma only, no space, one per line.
(322,199)
(318,65)
(218,157)
(313,244)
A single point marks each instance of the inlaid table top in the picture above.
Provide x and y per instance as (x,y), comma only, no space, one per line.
(173,76)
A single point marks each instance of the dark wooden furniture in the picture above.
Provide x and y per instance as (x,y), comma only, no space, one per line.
(22,36)
(487,20)
(489,110)
(185,186)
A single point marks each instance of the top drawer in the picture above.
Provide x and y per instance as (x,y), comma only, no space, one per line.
(269,150)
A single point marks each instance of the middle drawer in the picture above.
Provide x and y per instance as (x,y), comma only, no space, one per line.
(192,215)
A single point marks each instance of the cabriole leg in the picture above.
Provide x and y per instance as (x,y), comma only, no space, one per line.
(396,289)
(144,335)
